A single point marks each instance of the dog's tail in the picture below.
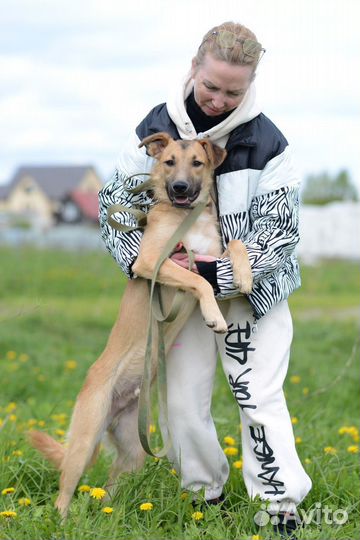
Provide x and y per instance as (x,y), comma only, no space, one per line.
(49,447)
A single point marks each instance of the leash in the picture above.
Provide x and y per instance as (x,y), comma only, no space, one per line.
(158,317)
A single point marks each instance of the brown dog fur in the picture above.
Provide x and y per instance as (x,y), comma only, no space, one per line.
(108,400)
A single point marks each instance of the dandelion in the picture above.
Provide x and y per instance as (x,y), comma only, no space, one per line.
(330,450)
(11,407)
(8,514)
(294,420)
(8,491)
(256,537)
(197,516)
(41,423)
(32,422)
(59,432)
(295,379)
(146,507)
(354,449)
(230,451)
(184,496)
(84,488)
(307,461)
(11,355)
(173,472)
(70,365)
(298,440)
(12,417)
(59,418)
(152,428)
(305,391)
(17,453)
(350,430)
(238,464)
(230,441)
(97,493)
(24,357)
(24,501)
(107,510)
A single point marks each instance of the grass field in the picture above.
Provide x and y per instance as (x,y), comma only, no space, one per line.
(55,313)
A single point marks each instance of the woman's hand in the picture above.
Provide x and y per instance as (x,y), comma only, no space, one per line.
(182,259)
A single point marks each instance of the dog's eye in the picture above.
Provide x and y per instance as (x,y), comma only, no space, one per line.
(197,163)
(169,162)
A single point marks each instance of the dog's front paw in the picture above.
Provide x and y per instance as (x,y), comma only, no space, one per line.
(219,326)
(244,281)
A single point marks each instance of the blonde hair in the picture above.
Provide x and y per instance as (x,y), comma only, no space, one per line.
(232,43)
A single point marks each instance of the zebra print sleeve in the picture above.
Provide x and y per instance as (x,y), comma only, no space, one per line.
(271,240)
(124,247)
(274,231)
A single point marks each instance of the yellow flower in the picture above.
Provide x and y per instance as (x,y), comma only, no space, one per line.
(173,472)
(256,537)
(230,441)
(70,365)
(146,507)
(295,379)
(11,407)
(107,510)
(152,428)
(24,357)
(97,493)
(305,390)
(184,496)
(7,491)
(84,488)
(32,422)
(330,450)
(8,514)
(17,453)
(350,430)
(11,355)
(354,449)
(308,461)
(197,516)
(238,464)
(24,501)
(294,420)
(59,432)
(59,418)
(12,417)
(41,423)
(230,451)
(1,422)
(298,440)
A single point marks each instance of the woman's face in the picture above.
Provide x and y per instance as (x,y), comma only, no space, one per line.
(219,87)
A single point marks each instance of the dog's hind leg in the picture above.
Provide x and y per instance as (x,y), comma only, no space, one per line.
(89,421)
(124,436)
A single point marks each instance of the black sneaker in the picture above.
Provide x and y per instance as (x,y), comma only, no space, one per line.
(209,502)
(287,524)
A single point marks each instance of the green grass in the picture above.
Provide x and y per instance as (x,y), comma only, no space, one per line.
(58,307)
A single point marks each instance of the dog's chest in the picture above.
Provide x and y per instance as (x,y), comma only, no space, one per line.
(203,237)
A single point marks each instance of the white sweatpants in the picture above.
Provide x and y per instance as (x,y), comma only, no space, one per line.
(255,365)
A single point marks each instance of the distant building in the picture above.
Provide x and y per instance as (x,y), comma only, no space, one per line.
(48,195)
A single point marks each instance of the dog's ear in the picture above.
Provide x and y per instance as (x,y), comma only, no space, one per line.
(215,153)
(156,143)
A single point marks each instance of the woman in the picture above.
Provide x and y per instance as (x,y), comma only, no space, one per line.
(257,192)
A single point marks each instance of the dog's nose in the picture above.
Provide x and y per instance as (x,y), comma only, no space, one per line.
(180,187)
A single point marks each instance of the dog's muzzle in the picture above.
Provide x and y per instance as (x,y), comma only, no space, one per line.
(182,194)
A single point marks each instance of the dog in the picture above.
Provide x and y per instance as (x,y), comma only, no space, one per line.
(108,402)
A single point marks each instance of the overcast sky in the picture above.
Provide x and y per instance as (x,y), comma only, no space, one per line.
(77,76)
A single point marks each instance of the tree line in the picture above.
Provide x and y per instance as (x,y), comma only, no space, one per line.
(323,188)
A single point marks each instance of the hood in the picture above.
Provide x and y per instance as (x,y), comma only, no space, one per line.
(246,111)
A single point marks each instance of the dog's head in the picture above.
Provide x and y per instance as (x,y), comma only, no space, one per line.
(184,170)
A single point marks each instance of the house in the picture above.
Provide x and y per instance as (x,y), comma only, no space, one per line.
(47,195)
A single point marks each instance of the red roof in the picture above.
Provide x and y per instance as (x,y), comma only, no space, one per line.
(88,203)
